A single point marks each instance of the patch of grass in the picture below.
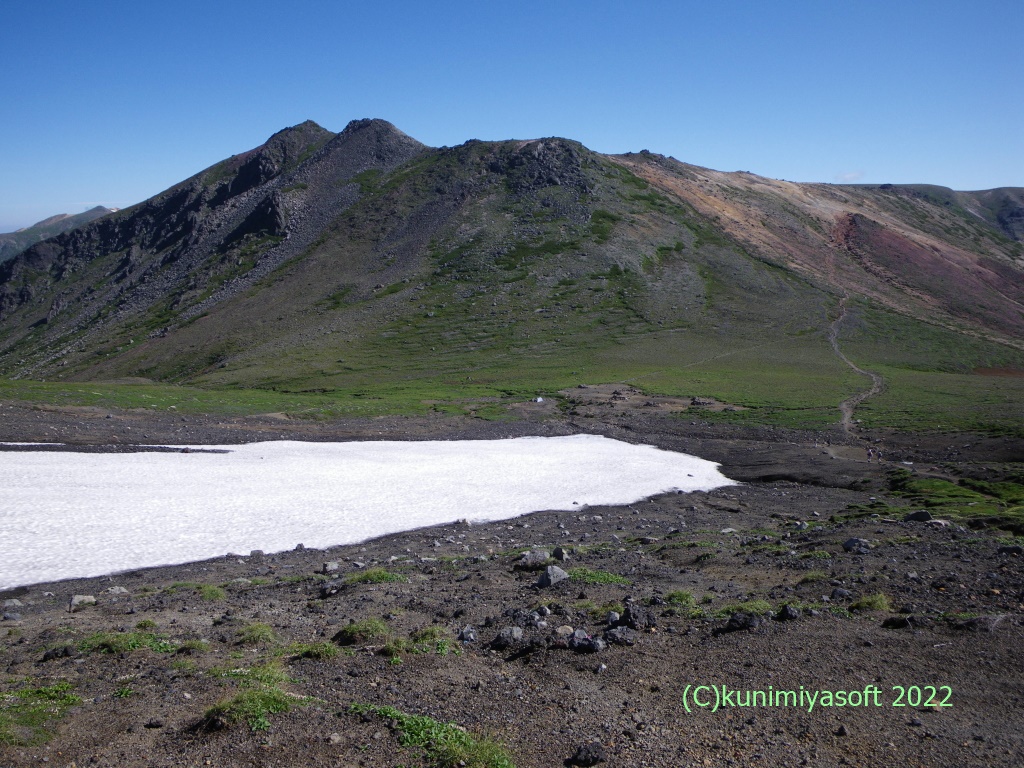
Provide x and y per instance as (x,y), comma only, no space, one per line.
(252,706)
(374,576)
(25,714)
(816,554)
(257,633)
(680,598)
(205,591)
(145,625)
(194,647)
(443,745)
(361,632)
(876,602)
(589,576)
(123,642)
(124,692)
(211,592)
(319,651)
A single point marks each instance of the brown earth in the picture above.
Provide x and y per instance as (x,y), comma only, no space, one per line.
(543,701)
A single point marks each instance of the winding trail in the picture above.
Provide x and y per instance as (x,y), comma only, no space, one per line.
(849,405)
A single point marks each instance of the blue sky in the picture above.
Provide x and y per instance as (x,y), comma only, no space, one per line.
(110,102)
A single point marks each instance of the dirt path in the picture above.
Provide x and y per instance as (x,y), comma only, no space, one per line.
(849,405)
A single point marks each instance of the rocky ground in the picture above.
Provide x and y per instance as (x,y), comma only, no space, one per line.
(323,657)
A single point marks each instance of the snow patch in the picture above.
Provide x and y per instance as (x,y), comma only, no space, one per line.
(66,514)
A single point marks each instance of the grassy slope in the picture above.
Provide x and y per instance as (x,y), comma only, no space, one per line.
(502,299)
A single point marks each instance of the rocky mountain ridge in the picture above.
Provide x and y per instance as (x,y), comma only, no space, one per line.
(380,247)
(13,243)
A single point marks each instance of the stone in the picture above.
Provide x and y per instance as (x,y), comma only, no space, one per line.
(11,616)
(841,594)
(116,591)
(552,575)
(581,642)
(613,618)
(468,634)
(638,618)
(13,603)
(63,652)
(1015,549)
(78,601)
(154,722)
(587,755)
(564,631)
(330,567)
(737,622)
(560,553)
(507,637)
(898,622)
(533,560)
(920,516)
(857,546)
(621,636)
(937,523)
(787,613)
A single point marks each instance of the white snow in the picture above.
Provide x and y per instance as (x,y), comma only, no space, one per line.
(66,514)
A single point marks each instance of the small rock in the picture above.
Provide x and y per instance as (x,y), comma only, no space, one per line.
(334,738)
(841,594)
(613,618)
(78,601)
(13,603)
(857,546)
(841,731)
(507,637)
(330,567)
(898,622)
(937,523)
(116,591)
(787,613)
(559,553)
(637,617)
(11,616)
(552,575)
(621,636)
(1015,549)
(564,631)
(154,722)
(533,560)
(581,642)
(468,634)
(587,754)
(921,516)
(66,651)
(739,621)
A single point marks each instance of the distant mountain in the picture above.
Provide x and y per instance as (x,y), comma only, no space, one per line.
(13,243)
(364,258)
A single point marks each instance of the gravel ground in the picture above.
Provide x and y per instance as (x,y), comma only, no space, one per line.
(162,646)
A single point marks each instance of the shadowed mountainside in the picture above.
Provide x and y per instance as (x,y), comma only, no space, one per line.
(13,243)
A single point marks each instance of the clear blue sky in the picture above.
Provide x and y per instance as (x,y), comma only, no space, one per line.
(109,102)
